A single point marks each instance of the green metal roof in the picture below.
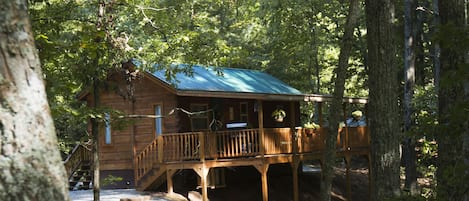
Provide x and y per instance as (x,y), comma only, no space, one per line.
(219,79)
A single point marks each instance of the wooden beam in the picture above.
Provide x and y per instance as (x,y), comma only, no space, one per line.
(321,119)
(202,171)
(294,165)
(160,148)
(263,168)
(202,146)
(260,118)
(293,128)
(169,180)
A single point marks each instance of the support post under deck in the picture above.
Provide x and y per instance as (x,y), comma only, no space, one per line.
(169,180)
(294,166)
(263,168)
(203,172)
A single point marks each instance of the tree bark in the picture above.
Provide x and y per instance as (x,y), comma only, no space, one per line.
(453,97)
(30,163)
(96,104)
(383,109)
(408,148)
(95,137)
(436,45)
(336,107)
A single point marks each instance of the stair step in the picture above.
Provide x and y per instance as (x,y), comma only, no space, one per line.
(72,184)
(76,178)
(82,172)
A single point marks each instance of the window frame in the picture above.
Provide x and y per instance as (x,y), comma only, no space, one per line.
(244,117)
(158,122)
(194,107)
(107,129)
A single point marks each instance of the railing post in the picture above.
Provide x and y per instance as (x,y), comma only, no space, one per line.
(295,136)
(260,117)
(160,149)
(202,146)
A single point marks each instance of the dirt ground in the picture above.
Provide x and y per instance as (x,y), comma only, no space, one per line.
(244,184)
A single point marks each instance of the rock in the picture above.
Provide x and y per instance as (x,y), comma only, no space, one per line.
(194,196)
(139,198)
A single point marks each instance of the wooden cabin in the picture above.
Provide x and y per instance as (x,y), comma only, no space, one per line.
(206,120)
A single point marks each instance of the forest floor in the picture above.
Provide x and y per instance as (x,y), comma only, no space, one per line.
(244,184)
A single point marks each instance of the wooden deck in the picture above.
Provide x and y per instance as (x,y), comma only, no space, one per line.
(260,148)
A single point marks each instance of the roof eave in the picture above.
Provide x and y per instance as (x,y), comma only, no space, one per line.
(328,98)
(237,95)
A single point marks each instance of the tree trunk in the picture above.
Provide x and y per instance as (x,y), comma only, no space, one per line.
(30,163)
(96,104)
(95,137)
(436,46)
(383,103)
(335,110)
(409,155)
(453,97)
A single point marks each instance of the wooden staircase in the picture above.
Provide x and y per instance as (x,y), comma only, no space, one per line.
(78,166)
(149,173)
(152,180)
(82,177)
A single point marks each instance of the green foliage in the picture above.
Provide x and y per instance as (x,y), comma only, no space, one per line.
(311,125)
(425,104)
(285,38)
(408,197)
(111,179)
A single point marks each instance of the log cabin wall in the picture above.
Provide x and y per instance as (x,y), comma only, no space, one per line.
(116,158)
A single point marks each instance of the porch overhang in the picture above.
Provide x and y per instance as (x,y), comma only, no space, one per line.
(255,96)
(328,98)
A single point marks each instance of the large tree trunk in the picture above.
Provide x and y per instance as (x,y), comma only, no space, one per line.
(30,163)
(436,46)
(383,103)
(408,147)
(96,104)
(335,110)
(453,97)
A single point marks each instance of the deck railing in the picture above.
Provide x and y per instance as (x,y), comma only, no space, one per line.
(78,155)
(199,146)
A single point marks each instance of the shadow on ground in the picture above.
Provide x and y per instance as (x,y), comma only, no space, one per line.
(244,183)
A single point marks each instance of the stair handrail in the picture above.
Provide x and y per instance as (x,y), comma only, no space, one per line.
(145,159)
(79,154)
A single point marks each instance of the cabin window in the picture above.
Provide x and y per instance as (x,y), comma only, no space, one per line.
(231,113)
(243,111)
(107,122)
(199,121)
(158,121)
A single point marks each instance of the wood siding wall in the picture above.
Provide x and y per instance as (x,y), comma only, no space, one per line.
(118,155)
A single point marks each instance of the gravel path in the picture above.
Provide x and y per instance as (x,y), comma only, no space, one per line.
(117,194)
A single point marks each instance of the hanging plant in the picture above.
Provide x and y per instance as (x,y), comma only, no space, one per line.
(278,114)
(311,128)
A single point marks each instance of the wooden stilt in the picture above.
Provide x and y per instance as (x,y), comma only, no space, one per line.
(169,180)
(203,172)
(263,168)
(294,166)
